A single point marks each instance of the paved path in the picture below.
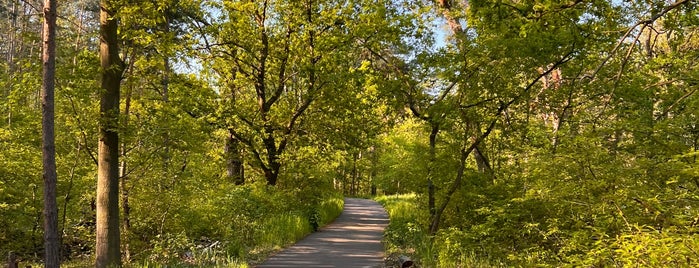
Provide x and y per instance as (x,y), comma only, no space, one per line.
(353,240)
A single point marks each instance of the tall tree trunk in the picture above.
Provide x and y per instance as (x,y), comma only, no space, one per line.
(52,247)
(107,249)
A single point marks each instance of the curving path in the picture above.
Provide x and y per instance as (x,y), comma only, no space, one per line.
(353,240)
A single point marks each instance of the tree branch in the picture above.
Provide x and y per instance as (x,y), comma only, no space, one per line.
(628,32)
(669,108)
(255,153)
(282,71)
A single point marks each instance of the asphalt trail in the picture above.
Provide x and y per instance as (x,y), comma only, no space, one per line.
(353,240)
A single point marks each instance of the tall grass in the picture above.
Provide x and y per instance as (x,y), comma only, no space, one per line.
(219,262)
(225,262)
(407,234)
(285,229)
(330,208)
(401,206)
(282,229)
(267,234)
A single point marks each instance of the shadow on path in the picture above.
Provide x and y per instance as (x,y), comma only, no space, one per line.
(353,240)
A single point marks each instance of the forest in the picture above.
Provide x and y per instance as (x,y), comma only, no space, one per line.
(211,133)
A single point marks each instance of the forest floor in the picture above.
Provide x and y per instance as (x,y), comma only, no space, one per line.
(352,240)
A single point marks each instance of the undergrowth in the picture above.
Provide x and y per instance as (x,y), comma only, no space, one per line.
(236,230)
(492,245)
(407,235)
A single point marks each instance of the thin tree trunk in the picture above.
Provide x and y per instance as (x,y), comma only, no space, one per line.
(12,34)
(354,174)
(68,195)
(123,175)
(465,152)
(437,217)
(166,98)
(36,243)
(374,160)
(52,247)
(11,59)
(166,80)
(107,249)
(430,169)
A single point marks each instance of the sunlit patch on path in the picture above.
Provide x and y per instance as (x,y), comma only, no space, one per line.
(353,240)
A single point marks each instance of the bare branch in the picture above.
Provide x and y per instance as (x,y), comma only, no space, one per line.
(628,55)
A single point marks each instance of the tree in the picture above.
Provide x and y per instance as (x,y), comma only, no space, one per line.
(274,60)
(48,137)
(107,249)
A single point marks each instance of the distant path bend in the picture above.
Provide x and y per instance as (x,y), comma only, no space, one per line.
(353,240)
